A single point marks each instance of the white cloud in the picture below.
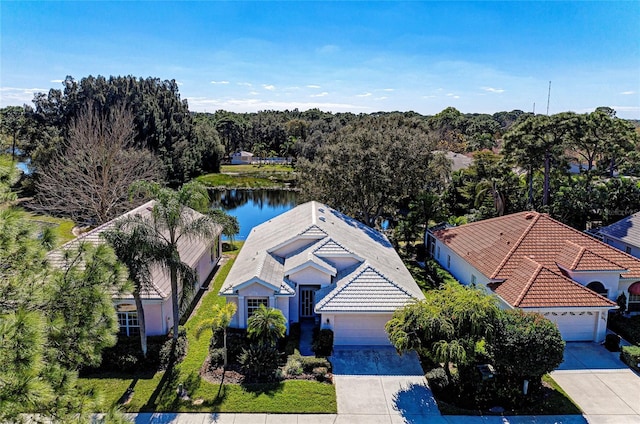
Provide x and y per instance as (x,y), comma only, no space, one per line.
(429,97)
(388,89)
(313,86)
(219,82)
(58,81)
(15,96)
(363,95)
(381,98)
(323,94)
(453,96)
(178,83)
(254,93)
(269,87)
(200,104)
(627,93)
(493,90)
(245,84)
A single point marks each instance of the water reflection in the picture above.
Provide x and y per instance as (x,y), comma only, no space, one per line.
(253,207)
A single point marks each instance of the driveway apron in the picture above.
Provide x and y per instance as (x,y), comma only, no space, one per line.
(376,385)
(599,383)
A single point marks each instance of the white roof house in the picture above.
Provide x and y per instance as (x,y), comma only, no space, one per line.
(624,234)
(201,255)
(314,262)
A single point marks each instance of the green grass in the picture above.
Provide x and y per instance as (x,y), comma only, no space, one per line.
(157,392)
(251,176)
(255,169)
(62,227)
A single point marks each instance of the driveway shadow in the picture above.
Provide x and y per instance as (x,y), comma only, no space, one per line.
(590,356)
(414,403)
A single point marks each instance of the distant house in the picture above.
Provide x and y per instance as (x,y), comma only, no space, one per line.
(535,263)
(201,255)
(242,158)
(314,263)
(623,235)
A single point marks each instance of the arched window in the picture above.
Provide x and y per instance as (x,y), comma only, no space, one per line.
(633,302)
(597,287)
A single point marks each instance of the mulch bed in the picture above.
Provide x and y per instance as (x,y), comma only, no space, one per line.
(234,375)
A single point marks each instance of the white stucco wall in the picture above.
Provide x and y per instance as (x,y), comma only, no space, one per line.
(610,280)
(205,265)
(459,268)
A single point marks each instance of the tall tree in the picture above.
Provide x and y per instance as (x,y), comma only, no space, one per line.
(170,222)
(89,176)
(370,167)
(266,325)
(13,125)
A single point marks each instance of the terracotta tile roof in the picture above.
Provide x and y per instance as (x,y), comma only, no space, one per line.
(533,285)
(497,247)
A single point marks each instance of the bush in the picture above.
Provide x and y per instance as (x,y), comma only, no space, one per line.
(236,342)
(628,328)
(126,355)
(311,362)
(438,379)
(630,355)
(217,357)
(323,343)
(173,352)
(320,373)
(259,362)
(293,366)
(612,343)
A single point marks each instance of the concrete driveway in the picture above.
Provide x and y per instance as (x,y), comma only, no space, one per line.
(597,380)
(376,385)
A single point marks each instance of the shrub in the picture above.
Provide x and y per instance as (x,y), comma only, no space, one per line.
(293,366)
(320,373)
(259,362)
(217,357)
(173,352)
(126,355)
(311,362)
(630,355)
(612,343)
(438,379)
(323,343)
(236,342)
(628,328)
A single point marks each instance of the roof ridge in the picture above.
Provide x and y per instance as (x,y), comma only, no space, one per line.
(516,244)
(529,283)
(578,257)
(603,258)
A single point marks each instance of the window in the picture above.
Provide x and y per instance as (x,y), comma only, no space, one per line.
(448,261)
(598,287)
(254,303)
(633,303)
(628,249)
(473,279)
(129,324)
(438,252)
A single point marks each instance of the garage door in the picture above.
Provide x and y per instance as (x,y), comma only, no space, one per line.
(360,329)
(576,327)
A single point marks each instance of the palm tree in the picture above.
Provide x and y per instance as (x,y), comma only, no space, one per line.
(222,316)
(171,221)
(266,325)
(136,248)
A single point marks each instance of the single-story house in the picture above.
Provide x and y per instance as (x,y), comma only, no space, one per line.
(535,263)
(315,263)
(242,158)
(201,255)
(623,235)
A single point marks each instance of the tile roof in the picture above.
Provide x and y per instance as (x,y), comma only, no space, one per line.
(191,250)
(327,232)
(497,247)
(626,230)
(367,291)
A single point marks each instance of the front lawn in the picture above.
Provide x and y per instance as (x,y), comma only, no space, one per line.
(157,392)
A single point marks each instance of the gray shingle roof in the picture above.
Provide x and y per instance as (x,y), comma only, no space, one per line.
(191,250)
(322,232)
(626,230)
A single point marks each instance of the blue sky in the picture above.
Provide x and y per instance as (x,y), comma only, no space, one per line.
(338,56)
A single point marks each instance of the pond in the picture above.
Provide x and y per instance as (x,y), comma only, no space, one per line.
(253,207)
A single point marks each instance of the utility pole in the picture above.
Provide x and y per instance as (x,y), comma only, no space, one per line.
(548,98)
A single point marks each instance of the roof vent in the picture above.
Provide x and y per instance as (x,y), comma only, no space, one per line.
(529,216)
(321,210)
(322,218)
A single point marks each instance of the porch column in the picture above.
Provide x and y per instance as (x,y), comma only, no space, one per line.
(272,302)
(241,310)
(601,328)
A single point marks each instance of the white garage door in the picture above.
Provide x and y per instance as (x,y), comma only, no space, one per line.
(360,329)
(575,328)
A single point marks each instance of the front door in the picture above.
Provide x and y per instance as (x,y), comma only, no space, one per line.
(307,301)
